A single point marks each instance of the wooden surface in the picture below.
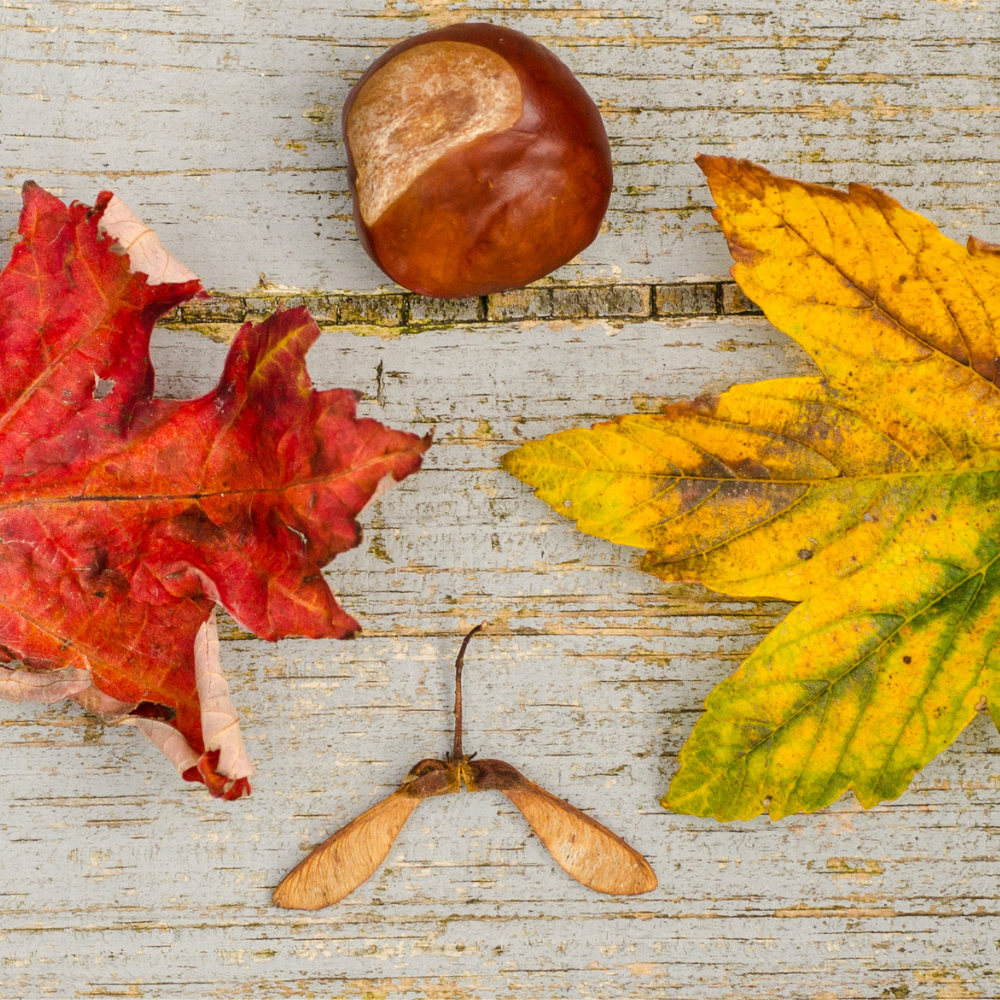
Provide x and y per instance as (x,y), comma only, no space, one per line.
(218,121)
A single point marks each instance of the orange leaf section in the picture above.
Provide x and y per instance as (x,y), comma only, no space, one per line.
(868,494)
(124,518)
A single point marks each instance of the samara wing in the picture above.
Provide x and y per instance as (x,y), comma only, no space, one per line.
(588,851)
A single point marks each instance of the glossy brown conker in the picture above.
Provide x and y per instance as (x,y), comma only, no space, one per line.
(477,161)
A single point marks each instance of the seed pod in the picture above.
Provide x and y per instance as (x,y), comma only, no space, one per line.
(585,849)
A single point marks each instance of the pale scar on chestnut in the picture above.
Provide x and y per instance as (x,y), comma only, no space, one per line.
(583,848)
(418,107)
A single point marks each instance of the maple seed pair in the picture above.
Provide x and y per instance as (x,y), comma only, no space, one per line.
(589,852)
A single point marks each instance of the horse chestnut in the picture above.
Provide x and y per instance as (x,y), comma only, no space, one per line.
(476,159)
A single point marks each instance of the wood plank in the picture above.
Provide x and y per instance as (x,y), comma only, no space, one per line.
(590,680)
(219,122)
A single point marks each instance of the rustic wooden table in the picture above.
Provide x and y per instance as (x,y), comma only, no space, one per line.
(219,122)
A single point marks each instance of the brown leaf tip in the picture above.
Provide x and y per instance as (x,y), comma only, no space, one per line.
(981,248)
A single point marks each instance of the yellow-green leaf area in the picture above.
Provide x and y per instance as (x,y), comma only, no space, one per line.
(869,494)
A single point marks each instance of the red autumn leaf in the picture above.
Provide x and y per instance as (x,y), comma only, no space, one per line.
(124,518)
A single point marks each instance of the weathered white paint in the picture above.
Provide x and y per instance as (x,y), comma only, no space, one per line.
(590,680)
(217,122)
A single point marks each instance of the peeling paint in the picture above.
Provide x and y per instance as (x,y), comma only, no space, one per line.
(219,122)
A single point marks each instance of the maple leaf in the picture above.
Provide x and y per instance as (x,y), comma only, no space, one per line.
(871,495)
(125,519)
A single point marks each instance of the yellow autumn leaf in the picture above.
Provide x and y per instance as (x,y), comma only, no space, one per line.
(870,495)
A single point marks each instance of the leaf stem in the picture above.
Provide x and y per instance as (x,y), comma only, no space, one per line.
(457,746)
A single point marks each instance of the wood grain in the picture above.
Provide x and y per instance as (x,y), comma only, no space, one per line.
(590,680)
(218,123)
